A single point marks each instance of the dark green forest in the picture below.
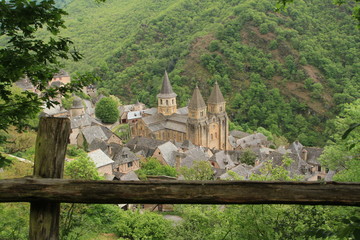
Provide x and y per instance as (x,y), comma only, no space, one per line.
(287,71)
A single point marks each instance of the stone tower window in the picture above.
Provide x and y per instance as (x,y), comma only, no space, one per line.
(215,135)
(211,137)
(173,101)
(201,113)
(161,101)
(167,102)
(221,109)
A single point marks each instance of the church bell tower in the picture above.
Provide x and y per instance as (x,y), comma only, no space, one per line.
(166,98)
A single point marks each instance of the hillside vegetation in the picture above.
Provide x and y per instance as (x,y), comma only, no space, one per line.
(287,72)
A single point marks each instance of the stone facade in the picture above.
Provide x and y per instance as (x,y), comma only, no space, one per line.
(204,125)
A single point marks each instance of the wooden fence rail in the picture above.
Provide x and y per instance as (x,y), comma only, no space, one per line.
(174,192)
(46,190)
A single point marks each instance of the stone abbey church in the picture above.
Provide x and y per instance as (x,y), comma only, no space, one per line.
(204,125)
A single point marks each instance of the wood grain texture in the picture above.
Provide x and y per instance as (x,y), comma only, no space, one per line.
(173,192)
(50,149)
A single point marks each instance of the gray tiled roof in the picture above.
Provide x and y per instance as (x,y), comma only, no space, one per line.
(223,160)
(166,89)
(239,134)
(80,121)
(92,132)
(156,118)
(187,144)
(125,155)
(216,95)
(178,118)
(130,176)
(150,111)
(99,158)
(148,145)
(195,154)
(89,107)
(182,111)
(176,126)
(197,101)
(24,84)
(167,151)
(56,109)
(253,140)
(313,153)
(98,144)
(239,170)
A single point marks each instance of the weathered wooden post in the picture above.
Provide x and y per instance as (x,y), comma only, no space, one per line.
(50,149)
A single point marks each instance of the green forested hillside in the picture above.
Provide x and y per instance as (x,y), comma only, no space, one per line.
(288,72)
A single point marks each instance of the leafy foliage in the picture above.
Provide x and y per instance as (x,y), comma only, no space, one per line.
(343,153)
(261,59)
(107,110)
(81,167)
(201,170)
(152,167)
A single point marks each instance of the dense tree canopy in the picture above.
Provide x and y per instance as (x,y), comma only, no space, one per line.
(107,110)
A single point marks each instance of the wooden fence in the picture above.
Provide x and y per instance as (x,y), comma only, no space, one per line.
(45,190)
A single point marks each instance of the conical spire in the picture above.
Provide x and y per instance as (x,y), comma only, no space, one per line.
(216,95)
(166,89)
(197,100)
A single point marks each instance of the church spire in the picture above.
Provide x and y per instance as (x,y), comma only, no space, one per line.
(166,98)
(166,89)
(197,100)
(216,96)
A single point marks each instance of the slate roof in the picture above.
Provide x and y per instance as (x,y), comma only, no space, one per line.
(241,170)
(148,145)
(98,144)
(24,84)
(176,126)
(187,144)
(223,160)
(92,132)
(130,176)
(80,121)
(150,111)
(195,154)
(89,107)
(125,155)
(158,122)
(166,89)
(182,111)
(56,109)
(99,158)
(239,134)
(253,140)
(313,153)
(232,141)
(197,101)
(168,151)
(216,95)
